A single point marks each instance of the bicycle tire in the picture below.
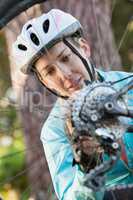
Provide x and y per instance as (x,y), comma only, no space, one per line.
(9,9)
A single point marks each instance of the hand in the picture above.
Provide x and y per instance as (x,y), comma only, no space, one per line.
(87,152)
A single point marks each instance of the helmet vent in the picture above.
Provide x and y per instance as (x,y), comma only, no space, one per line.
(34,39)
(22,47)
(29,26)
(46,25)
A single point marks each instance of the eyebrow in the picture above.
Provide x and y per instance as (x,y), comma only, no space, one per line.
(60,54)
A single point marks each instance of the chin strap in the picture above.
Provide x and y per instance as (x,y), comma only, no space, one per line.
(89,66)
(50,90)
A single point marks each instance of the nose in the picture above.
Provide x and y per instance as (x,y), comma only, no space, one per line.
(66,71)
(66,75)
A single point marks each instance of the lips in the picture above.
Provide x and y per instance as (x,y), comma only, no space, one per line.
(74,84)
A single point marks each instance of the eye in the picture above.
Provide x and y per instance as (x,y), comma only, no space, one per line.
(65,58)
(50,71)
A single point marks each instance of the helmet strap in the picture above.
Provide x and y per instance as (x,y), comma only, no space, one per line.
(88,65)
(50,90)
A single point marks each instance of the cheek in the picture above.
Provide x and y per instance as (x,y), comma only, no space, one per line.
(80,67)
(53,83)
(77,65)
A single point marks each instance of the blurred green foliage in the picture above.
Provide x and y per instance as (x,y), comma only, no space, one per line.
(11,136)
(12,163)
(122,23)
(8,119)
(5,81)
(12,151)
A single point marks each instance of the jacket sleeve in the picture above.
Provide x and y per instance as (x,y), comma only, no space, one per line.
(66,179)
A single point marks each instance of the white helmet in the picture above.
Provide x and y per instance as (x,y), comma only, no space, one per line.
(41,33)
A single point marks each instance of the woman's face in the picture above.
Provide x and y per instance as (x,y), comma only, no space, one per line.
(61,70)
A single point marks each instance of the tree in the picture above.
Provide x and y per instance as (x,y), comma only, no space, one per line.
(33,114)
(96,24)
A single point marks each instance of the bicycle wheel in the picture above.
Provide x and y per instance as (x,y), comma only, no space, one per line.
(9,9)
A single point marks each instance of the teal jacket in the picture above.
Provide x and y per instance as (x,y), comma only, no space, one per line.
(67,179)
